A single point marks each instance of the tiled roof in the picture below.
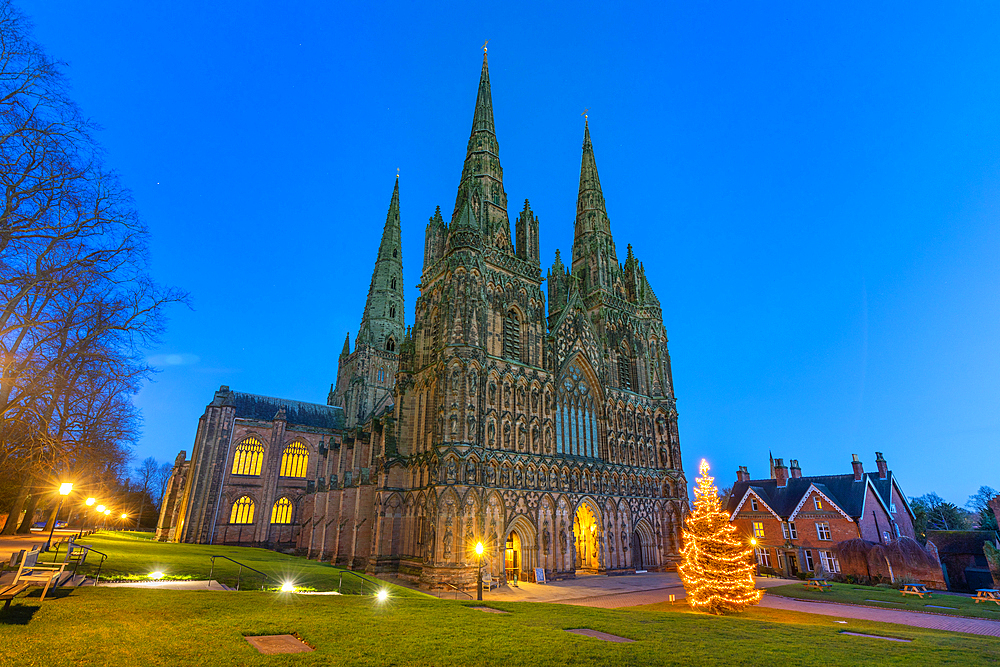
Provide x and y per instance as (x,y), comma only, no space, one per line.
(841,489)
(264,408)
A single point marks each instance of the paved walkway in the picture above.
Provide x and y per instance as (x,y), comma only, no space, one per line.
(976,626)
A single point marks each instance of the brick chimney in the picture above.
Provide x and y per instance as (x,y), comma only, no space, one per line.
(742,475)
(883,467)
(780,472)
(794,468)
(859,471)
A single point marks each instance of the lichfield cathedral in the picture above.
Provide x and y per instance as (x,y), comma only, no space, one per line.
(544,428)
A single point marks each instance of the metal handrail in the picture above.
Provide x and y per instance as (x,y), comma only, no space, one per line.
(100,565)
(341,580)
(458,590)
(239,574)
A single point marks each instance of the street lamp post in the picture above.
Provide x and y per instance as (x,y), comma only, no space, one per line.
(64,490)
(479,571)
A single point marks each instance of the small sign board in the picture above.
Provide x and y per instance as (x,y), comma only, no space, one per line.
(539,575)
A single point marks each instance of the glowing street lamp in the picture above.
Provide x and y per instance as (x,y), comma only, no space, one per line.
(100,509)
(91,501)
(64,490)
(479,571)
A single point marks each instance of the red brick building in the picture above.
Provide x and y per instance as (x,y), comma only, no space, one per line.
(798,521)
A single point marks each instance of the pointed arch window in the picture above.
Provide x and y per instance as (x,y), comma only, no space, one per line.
(248,457)
(294,460)
(392,311)
(512,336)
(242,511)
(282,511)
(395,252)
(392,284)
(390,345)
(381,374)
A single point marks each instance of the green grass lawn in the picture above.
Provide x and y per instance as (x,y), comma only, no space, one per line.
(888,598)
(136,555)
(95,626)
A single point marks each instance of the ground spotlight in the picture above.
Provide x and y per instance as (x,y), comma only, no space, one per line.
(288,587)
(156,575)
(382,595)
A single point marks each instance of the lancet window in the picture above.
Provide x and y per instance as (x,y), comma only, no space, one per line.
(577,427)
(282,511)
(512,336)
(242,511)
(294,460)
(248,457)
(625,379)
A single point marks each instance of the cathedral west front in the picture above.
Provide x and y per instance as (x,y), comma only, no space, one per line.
(542,425)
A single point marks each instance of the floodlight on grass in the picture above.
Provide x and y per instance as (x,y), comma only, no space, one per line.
(156,575)
(288,587)
(382,595)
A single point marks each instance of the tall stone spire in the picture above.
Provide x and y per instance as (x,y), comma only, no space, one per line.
(482,176)
(382,322)
(595,261)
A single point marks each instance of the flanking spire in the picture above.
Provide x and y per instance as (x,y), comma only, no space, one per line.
(382,322)
(482,175)
(591,215)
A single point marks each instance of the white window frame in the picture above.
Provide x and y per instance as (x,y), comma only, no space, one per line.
(829,561)
(758,529)
(817,503)
(780,559)
(823,528)
(753,504)
(794,534)
(784,529)
(810,563)
(892,508)
(763,557)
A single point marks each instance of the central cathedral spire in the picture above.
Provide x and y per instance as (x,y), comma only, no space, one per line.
(482,176)
(595,261)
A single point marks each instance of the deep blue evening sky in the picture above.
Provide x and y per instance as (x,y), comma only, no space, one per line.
(814,194)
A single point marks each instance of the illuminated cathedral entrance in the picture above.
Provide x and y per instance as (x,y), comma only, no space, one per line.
(512,557)
(586,528)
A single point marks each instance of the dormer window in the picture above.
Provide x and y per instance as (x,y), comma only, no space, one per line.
(753,504)
(817,503)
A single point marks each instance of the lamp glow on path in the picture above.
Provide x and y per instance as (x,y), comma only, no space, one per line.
(156,575)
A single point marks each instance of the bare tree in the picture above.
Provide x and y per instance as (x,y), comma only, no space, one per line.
(76,303)
(145,474)
(163,474)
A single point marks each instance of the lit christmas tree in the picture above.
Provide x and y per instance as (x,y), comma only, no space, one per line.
(718,568)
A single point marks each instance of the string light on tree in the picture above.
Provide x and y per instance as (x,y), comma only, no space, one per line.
(718,567)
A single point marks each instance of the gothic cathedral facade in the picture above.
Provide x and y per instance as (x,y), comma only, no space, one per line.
(549,434)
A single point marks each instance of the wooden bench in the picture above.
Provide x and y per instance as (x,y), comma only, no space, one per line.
(31,573)
(987,595)
(915,589)
(7,593)
(817,584)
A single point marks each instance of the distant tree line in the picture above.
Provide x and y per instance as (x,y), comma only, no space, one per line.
(935,513)
(77,305)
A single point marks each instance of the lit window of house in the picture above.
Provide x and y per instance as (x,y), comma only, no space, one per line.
(753,504)
(758,529)
(817,503)
(763,558)
(823,530)
(829,561)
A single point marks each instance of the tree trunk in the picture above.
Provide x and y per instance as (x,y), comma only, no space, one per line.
(29,515)
(142,506)
(10,526)
(53,517)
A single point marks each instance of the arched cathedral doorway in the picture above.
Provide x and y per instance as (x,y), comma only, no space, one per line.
(586,529)
(513,557)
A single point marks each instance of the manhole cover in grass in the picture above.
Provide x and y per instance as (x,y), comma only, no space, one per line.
(596,634)
(490,610)
(859,634)
(272,644)
(937,606)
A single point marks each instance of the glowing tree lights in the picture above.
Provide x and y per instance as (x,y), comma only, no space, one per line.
(718,567)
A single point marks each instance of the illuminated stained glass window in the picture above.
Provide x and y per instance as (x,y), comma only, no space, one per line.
(294,460)
(248,457)
(242,511)
(282,511)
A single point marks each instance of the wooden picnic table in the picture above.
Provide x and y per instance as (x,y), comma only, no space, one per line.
(818,584)
(915,589)
(987,595)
